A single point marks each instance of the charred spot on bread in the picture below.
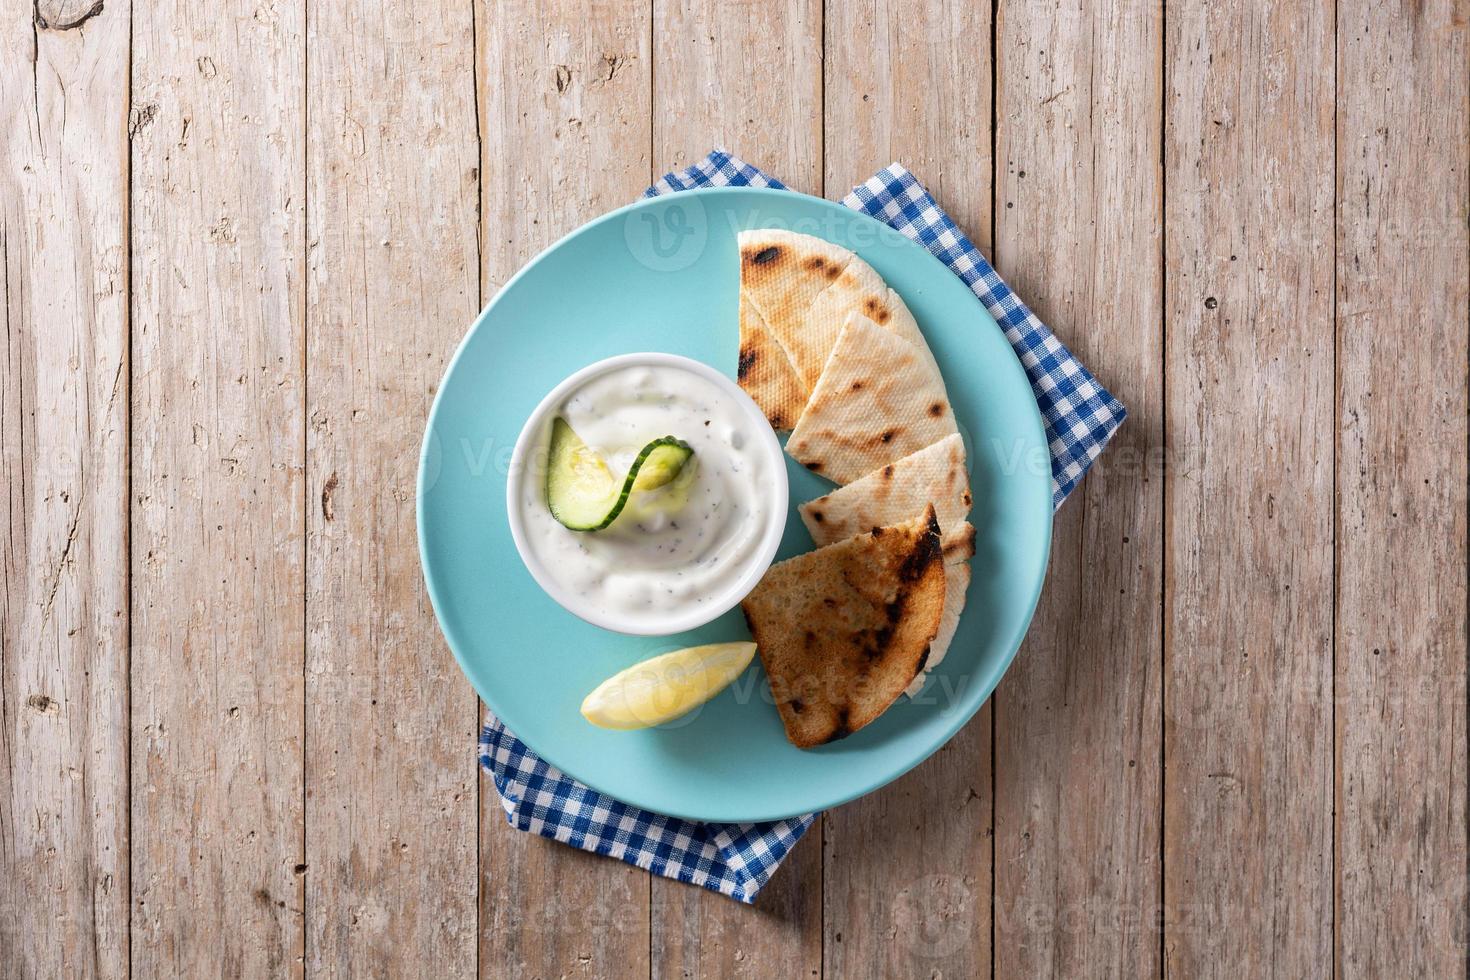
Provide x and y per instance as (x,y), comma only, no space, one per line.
(925,553)
(876,309)
(814,466)
(857,386)
(748,357)
(887,435)
(883,635)
(888,472)
(936,409)
(797,705)
(818,516)
(923,659)
(968,500)
(768,254)
(841,728)
(816,263)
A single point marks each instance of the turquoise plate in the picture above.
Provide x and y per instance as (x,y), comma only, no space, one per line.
(662,275)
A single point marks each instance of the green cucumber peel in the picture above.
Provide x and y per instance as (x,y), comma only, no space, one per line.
(582,492)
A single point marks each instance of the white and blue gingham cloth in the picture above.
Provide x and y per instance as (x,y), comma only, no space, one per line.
(738,859)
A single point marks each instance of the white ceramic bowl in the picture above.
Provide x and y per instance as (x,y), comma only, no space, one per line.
(533,434)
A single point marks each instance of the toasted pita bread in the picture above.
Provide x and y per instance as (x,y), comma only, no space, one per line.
(858,289)
(782,273)
(843,630)
(956,584)
(959,543)
(766,373)
(805,287)
(896,492)
(878,400)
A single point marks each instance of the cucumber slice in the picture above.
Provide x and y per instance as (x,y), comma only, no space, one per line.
(582,492)
(663,460)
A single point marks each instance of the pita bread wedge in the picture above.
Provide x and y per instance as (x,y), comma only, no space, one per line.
(956,584)
(858,289)
(843,630)
(935,474)
(878,399)
(765,373)
(782,272)
(804,288)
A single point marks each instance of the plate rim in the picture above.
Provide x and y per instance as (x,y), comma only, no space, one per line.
(962,717)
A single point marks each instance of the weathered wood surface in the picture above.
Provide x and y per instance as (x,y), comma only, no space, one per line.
(392,277)
(1077,755)
(1248,748)
(64,393)
(1403,157)
(218,584)
(238,245)
(706,53)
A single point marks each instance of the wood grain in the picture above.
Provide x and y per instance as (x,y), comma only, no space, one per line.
(706,55)
(908,869)
(392,283)
(1078,753)
(1403,156)
(1248,567)
(565,118)
(699,933)
(217,491)
(893,93)
(63,450)
(713,67)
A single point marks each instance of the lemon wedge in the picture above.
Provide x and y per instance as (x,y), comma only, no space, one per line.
(659,690)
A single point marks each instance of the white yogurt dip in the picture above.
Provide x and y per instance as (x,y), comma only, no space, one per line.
(676,556)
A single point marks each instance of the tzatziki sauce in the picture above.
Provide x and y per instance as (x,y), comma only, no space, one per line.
(673,548)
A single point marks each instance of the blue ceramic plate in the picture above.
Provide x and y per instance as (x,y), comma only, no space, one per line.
(662,275)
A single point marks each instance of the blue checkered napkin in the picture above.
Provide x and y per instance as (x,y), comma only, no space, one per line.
(735,859)
(738,859)
(719,169)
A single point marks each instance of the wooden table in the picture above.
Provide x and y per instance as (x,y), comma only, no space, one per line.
(241,239)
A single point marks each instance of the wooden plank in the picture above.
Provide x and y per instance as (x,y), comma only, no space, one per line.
(1078,753)
(1402,272)
(564,103)
(706,54)
(64,392)
(893,92)
(1248,489)
(908,869)
(392,281)
(698,933)
(711,85)
(217,491)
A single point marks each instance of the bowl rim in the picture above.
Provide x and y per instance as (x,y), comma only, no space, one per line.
(778,489)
